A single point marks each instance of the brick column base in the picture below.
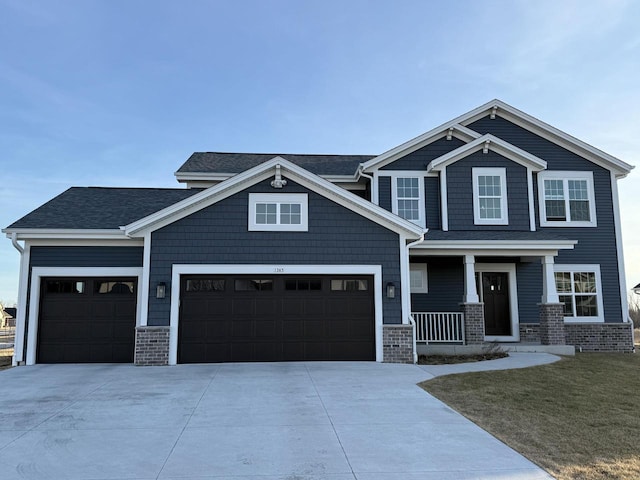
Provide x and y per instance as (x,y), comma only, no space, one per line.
(152,346)
(397,343)
(552,324)
(473,323)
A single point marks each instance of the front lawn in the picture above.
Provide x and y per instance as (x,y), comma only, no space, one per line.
(578,418)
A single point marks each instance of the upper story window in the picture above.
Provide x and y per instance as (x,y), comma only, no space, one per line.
(566,199)
(278,212)
(408,200)
(490,196)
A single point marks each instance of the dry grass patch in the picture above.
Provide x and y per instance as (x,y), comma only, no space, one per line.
(578,418)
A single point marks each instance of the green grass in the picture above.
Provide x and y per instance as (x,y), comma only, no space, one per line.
(578,418)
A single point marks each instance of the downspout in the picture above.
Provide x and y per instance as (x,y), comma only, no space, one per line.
(370,177)
(14,241)
(411,319)
(20,317)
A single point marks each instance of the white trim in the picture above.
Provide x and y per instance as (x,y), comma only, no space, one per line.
(37,273)
(57,242)
(532,210)
(619,250)
(510,269)
(590,268)
(143,307)
(263,171)
(470,290)
(424,275)
(444,201)
(65,233)
(208,179)
(375,195)
(278,199)
(405,294)
(565,176)
(422,220)
(23,291)
(213,269)
(476,173)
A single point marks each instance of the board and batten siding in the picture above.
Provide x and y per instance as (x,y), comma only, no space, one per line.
(218,234)
(596,245)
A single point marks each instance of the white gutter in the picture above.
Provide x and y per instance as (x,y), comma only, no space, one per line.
(14,241)
(408,283)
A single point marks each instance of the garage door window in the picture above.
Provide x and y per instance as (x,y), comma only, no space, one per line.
(253,285)
(64,286)
(122,288)
(349,285)
(304,284)
(205,285)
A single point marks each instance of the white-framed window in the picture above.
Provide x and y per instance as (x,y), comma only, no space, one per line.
(278,212)
(408,199)
(418,278)
(580,290)
(490,196)
(566,199)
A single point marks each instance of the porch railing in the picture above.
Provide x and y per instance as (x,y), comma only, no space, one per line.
(439,327)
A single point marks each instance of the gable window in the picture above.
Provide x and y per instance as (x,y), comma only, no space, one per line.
(579,290)
(566,199)
(490,196)
(407,199)
(278,212)
(418,277)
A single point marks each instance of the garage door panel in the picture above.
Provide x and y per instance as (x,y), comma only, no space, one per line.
(315,306)
(293,306)
(242,306)
(102,331)
(267,328)
(292,328)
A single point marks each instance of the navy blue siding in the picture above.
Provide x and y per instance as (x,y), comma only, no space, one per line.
(384,192)
(460,192)
(419,159)
(86,257)
(445,280)
(218,235)
(529,282)
(596,245)
(432,199)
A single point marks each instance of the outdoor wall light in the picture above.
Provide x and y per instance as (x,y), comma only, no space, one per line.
(391,290)
(161,290)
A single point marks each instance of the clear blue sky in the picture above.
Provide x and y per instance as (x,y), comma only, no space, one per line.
(121,92)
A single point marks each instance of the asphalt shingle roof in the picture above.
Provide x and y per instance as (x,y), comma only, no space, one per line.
(101,208)
(218,162)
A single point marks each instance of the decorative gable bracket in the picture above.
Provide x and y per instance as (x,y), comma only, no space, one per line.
(278,181)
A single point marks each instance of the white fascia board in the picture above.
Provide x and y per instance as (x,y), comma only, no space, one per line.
(63,233)
(550,133)
(501,244)
(202,176)
(260,172)
(340,178)
(459,131)
(495,144)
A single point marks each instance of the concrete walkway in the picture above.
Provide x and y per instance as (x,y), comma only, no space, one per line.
(334,421)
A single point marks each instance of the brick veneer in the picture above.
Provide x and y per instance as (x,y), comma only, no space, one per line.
(397,343)
(152,346)
(473,323)
(588,337)
(552,324)
(530,333)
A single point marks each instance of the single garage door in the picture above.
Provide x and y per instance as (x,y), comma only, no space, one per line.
(257,318)
(85,320)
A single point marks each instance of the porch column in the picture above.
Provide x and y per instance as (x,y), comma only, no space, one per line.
(471,307)
(551,310)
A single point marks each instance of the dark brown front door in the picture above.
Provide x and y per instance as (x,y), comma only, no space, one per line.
(495,294)
(267,318)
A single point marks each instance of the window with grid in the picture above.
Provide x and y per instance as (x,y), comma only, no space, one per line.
(408,199)
(272,211)
(568,200)
(490,196)
(578,291)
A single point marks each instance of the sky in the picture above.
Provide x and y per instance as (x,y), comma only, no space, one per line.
(121,92)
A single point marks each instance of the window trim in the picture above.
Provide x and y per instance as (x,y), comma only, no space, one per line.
(504,207)
(565,176)
(422,268)
(587,268)
(279,199)
(421,196)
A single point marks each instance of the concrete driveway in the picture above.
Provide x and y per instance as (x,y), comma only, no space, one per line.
(335,421)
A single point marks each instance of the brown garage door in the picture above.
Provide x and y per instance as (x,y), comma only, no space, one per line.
(87,320)
(257,318)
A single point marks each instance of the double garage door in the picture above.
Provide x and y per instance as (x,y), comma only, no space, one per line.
(223,318)
(241,318)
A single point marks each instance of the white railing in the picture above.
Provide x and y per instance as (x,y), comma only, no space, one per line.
(439,327)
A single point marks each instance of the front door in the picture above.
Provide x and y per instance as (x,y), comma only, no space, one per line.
(495,294)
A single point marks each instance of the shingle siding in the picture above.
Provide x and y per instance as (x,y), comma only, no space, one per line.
(384,192)
(218,235)
(419,159)
(432,200)
(445,280)
(86,257)
(460,192)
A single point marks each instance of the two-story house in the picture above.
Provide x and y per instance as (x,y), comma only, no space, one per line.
(494,227)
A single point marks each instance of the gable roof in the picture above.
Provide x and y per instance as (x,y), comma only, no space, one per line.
(259,173)
(489,142)
(224,165)
(506,111)
(99,208)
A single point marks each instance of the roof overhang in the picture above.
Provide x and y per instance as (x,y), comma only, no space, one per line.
(217,177)
(261,172)
(508,248)
(62,233)
(489,142)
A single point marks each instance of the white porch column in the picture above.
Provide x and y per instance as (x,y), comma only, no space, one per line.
(549,292)
(470,290)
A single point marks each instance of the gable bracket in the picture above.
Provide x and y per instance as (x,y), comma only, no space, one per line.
(450,133)
(493,112)
(278,181)
(485,149)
